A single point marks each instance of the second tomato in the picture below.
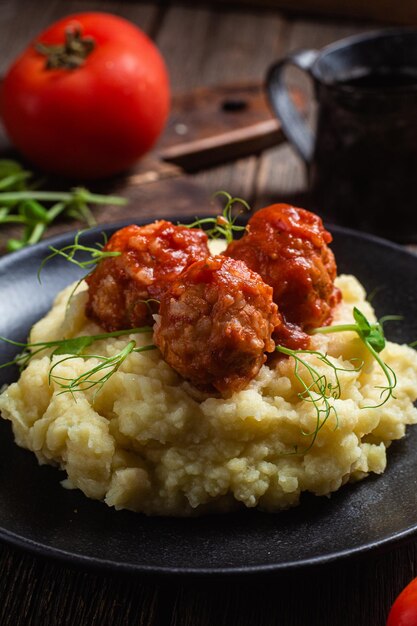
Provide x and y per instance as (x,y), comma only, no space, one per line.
(404,609)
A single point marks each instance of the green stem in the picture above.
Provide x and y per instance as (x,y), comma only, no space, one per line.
(58,342)
(116,333)
(284,350)
(324,330)
(8,181)
(392,382)
(56,210)
(13,219)
(120,333)
(37,233)
(60,196)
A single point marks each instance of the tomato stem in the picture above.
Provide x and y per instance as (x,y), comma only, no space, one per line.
(68,55)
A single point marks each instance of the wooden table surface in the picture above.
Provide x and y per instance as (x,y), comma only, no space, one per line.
(203,46)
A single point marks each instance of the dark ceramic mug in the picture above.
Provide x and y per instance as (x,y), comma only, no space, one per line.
(362,157)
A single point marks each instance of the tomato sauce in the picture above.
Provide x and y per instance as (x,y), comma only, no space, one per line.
(287,247)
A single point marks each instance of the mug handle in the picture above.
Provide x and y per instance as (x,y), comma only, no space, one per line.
(293,125)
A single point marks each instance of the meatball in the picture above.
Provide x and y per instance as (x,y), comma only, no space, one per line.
(288,247)
(124,291)
(215,324)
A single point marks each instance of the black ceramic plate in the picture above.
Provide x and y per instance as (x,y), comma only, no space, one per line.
(38,514)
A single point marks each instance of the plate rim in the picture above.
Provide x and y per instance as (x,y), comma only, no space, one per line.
(96,564)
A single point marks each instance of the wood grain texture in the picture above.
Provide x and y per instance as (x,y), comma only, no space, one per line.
(204,46)
(23,20)
(384,10)
(218,124)
(226,47)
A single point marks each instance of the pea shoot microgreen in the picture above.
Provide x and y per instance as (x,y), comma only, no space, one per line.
(318,389)
(68,252)
(224,225)
(372,335)
(74,348)
(35,210)
(97,375)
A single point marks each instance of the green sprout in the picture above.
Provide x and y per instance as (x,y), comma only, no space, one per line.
(372,336)
(105,369)
(68,252)
(74,348)
(224,225)
(35,210)
(321,391)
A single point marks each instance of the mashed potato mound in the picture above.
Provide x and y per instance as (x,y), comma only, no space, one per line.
(148,441)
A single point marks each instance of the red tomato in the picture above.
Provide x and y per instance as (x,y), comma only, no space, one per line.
(404,610)
(93,120)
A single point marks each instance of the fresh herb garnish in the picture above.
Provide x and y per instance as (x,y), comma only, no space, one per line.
(224,225)
(105,369)
(319,389)
(35,210)
(372,335)
(69,252)
(74,348)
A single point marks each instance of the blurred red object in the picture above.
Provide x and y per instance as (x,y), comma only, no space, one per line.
(87,98)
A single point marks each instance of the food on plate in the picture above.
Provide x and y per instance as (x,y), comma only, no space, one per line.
(148,441)
(124,290)
(288,247)
(215,324)
(87,98)
(404,610)
(131,430)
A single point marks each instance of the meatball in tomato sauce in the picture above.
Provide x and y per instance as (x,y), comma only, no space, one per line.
(288,247)
(215,324)
(124,291)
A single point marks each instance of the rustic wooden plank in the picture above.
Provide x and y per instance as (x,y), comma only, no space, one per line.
(35,591)
(222,46)
(315,33)
(352,593)
(21,21)
(402,13)
(226,45)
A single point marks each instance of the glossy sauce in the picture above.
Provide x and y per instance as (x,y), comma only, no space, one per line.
(287,247)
